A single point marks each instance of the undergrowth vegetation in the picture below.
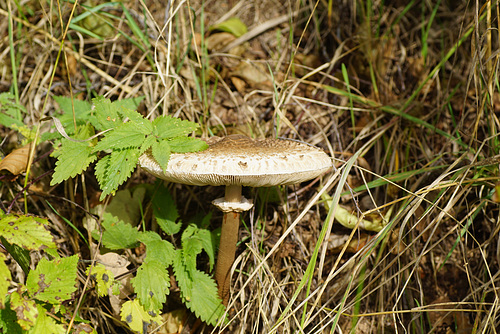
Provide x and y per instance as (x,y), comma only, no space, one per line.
(401,236)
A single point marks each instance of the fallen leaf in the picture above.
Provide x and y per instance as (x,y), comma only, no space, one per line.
(239,84)
(219,41)
(233,26)
(253,74)
(16,161)
(173,322)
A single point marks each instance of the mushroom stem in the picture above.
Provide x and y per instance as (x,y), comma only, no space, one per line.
(227,246)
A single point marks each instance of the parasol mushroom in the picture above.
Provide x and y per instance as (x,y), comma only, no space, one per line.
(235,161)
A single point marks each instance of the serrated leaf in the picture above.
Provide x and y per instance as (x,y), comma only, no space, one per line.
(232,25)
(5,278)
(129,103)
(191,246)
(135,316)
(182,276)
(198,291)
(45,324)
(194,240)
(208,244)
(83,111)
(157,250)
(10,111)
(21,255)
(74,157)
(187,144)
(8,121)
(167,127)
(103,277)
(53,281)
(8,320)
(101,169)
(125,135)
(25,309)
(148,236)
(142,124)
(117,234)
(105,114)
(207,305)
(161,153)
(165,211)
(27,232)
(148,142)
(116,169)
(152,284)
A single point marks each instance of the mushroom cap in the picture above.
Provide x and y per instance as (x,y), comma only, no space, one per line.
(239,160)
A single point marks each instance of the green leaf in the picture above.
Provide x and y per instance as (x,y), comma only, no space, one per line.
(198,291)
(74,157)
(167,127)
(232,25)
(142,124)
(208,244)
(21,255)
(151,284)
(9,122)
(26,231)
(157,250)
(123,136)
(187,144)
(45,324)
(161,153)
(83,110)
(5,278)
(191,246)
(113,171)
(194,240)
(53,281)
(206,304)
(165,211)
(8,320)
(105,114)
(25,309)
(135,316)
(117,234)
(129,103)
(10,111)
(127,205)
(103,277)
(148,142)
(182,276)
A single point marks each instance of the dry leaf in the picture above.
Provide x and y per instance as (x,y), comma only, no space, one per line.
(219,41)
(239,84)
(253,74)
(173,322)
(16,161)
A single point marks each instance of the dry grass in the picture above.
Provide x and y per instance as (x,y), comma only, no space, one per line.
(404,96)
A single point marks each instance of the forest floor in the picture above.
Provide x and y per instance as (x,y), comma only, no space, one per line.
(401,236)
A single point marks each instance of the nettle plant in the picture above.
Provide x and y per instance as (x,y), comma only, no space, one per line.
(126,134)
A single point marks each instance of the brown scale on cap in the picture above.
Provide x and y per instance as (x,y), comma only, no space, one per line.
(239,160)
